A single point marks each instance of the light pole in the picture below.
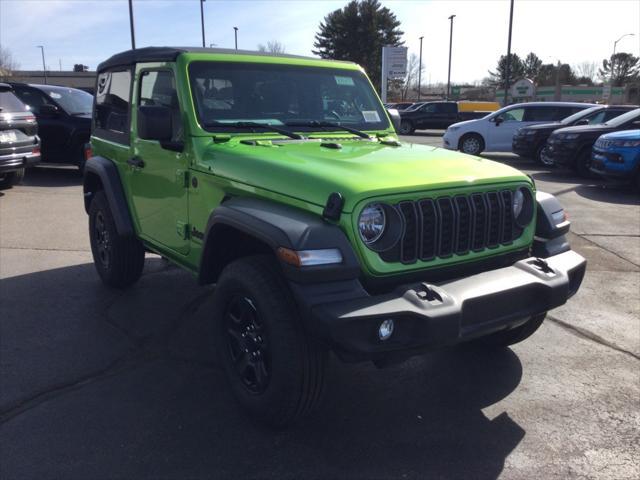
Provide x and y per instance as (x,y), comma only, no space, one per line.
(44,66)
(202,21)
(420,70)
(613,57)
(235,32)
(133,33)
(450,47)
(508,69)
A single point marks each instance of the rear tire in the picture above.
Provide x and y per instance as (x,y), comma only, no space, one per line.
(471,144)
(506,338)
(275,369)
(119,260)
(406,127)
(12,178)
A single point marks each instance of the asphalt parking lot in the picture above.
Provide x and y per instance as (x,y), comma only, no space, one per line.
(104,384)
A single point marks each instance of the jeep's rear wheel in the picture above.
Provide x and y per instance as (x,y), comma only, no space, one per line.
(276,370)
(119,260)
(512,336)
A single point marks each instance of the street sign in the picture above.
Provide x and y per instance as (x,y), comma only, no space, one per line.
(606,91)
(394,61)
(523,88)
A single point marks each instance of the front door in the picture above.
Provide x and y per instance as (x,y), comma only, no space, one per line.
(157,175)
(502,128)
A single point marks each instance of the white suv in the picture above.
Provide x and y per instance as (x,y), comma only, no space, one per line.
(494,132)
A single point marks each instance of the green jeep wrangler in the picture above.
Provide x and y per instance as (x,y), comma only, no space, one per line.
(281,180)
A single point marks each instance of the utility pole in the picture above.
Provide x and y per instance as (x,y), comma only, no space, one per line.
(508,69)
(450,48)
(202,21)
(420,70)
(60,63)
(235,32)
(44,66)
(133,33)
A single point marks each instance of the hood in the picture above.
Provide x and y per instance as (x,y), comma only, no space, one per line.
(623,135)
(466,122)
(598,128)
(359,170)
(543,126)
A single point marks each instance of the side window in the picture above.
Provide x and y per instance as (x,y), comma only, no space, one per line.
(609,114)
(32,98)
(111,116)
(448,108)
(429,108)
(597,118)
(542,114)
(158,87)
(513,115)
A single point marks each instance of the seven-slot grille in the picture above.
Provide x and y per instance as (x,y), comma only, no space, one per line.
(443,226)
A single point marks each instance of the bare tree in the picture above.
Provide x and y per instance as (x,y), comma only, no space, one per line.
(587,69)
(272,46)
(7,63)
(411,80)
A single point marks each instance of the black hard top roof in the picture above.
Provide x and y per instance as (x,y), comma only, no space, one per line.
(169,54)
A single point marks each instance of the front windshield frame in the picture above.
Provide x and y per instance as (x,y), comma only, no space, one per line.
(624,118)
(71,100)
(247,75)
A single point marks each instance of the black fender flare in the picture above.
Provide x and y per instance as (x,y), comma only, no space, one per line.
(278,225)
(550,234)
(107,174)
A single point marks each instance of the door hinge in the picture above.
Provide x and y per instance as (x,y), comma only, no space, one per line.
(182,229)
(182,177)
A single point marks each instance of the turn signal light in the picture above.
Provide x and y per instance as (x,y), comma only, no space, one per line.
(307,258)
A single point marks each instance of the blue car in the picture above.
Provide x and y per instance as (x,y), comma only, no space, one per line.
(617,155)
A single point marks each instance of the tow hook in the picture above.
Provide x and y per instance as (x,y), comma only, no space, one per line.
(541,265)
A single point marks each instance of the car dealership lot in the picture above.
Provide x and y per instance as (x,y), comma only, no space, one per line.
(99,383)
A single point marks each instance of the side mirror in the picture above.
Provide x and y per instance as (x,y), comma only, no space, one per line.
(394,114)
(155,122)
(498,121)
(48,110)
(584,121)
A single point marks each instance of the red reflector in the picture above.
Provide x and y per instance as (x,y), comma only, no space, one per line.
(88,152)
(36,151)
(30,119)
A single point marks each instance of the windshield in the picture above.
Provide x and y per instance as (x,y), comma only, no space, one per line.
(578,115)
(622,119)
(231,92)
(73,101)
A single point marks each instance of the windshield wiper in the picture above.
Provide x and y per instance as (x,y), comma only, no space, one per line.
(316,123)
(264,126)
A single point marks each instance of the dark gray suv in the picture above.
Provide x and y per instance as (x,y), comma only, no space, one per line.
(19,142)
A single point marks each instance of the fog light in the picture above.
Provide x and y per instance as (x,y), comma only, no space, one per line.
(385,330)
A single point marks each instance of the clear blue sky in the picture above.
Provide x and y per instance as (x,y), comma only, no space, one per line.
(88,31)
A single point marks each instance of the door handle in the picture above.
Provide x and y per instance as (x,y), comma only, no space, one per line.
(136,162)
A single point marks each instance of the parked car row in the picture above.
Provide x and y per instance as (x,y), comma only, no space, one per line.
(41,123)
(442,114)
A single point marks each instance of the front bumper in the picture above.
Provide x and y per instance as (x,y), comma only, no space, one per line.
(562,153)
(613,164)
(524,146)
(15,161)
(430,316)
(450,141)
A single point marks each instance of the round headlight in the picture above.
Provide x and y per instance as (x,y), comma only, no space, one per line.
(371,223)
(518,202)
(522,207)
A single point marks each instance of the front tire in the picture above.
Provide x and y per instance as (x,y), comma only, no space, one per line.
(543,158)
(506,338)
(406,127)
(471,144)
(119,260)
(275,369)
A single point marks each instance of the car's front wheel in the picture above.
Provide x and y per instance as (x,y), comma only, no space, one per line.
(119,260)
(406,127)
(543,157)
(276,370)
(471,144)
